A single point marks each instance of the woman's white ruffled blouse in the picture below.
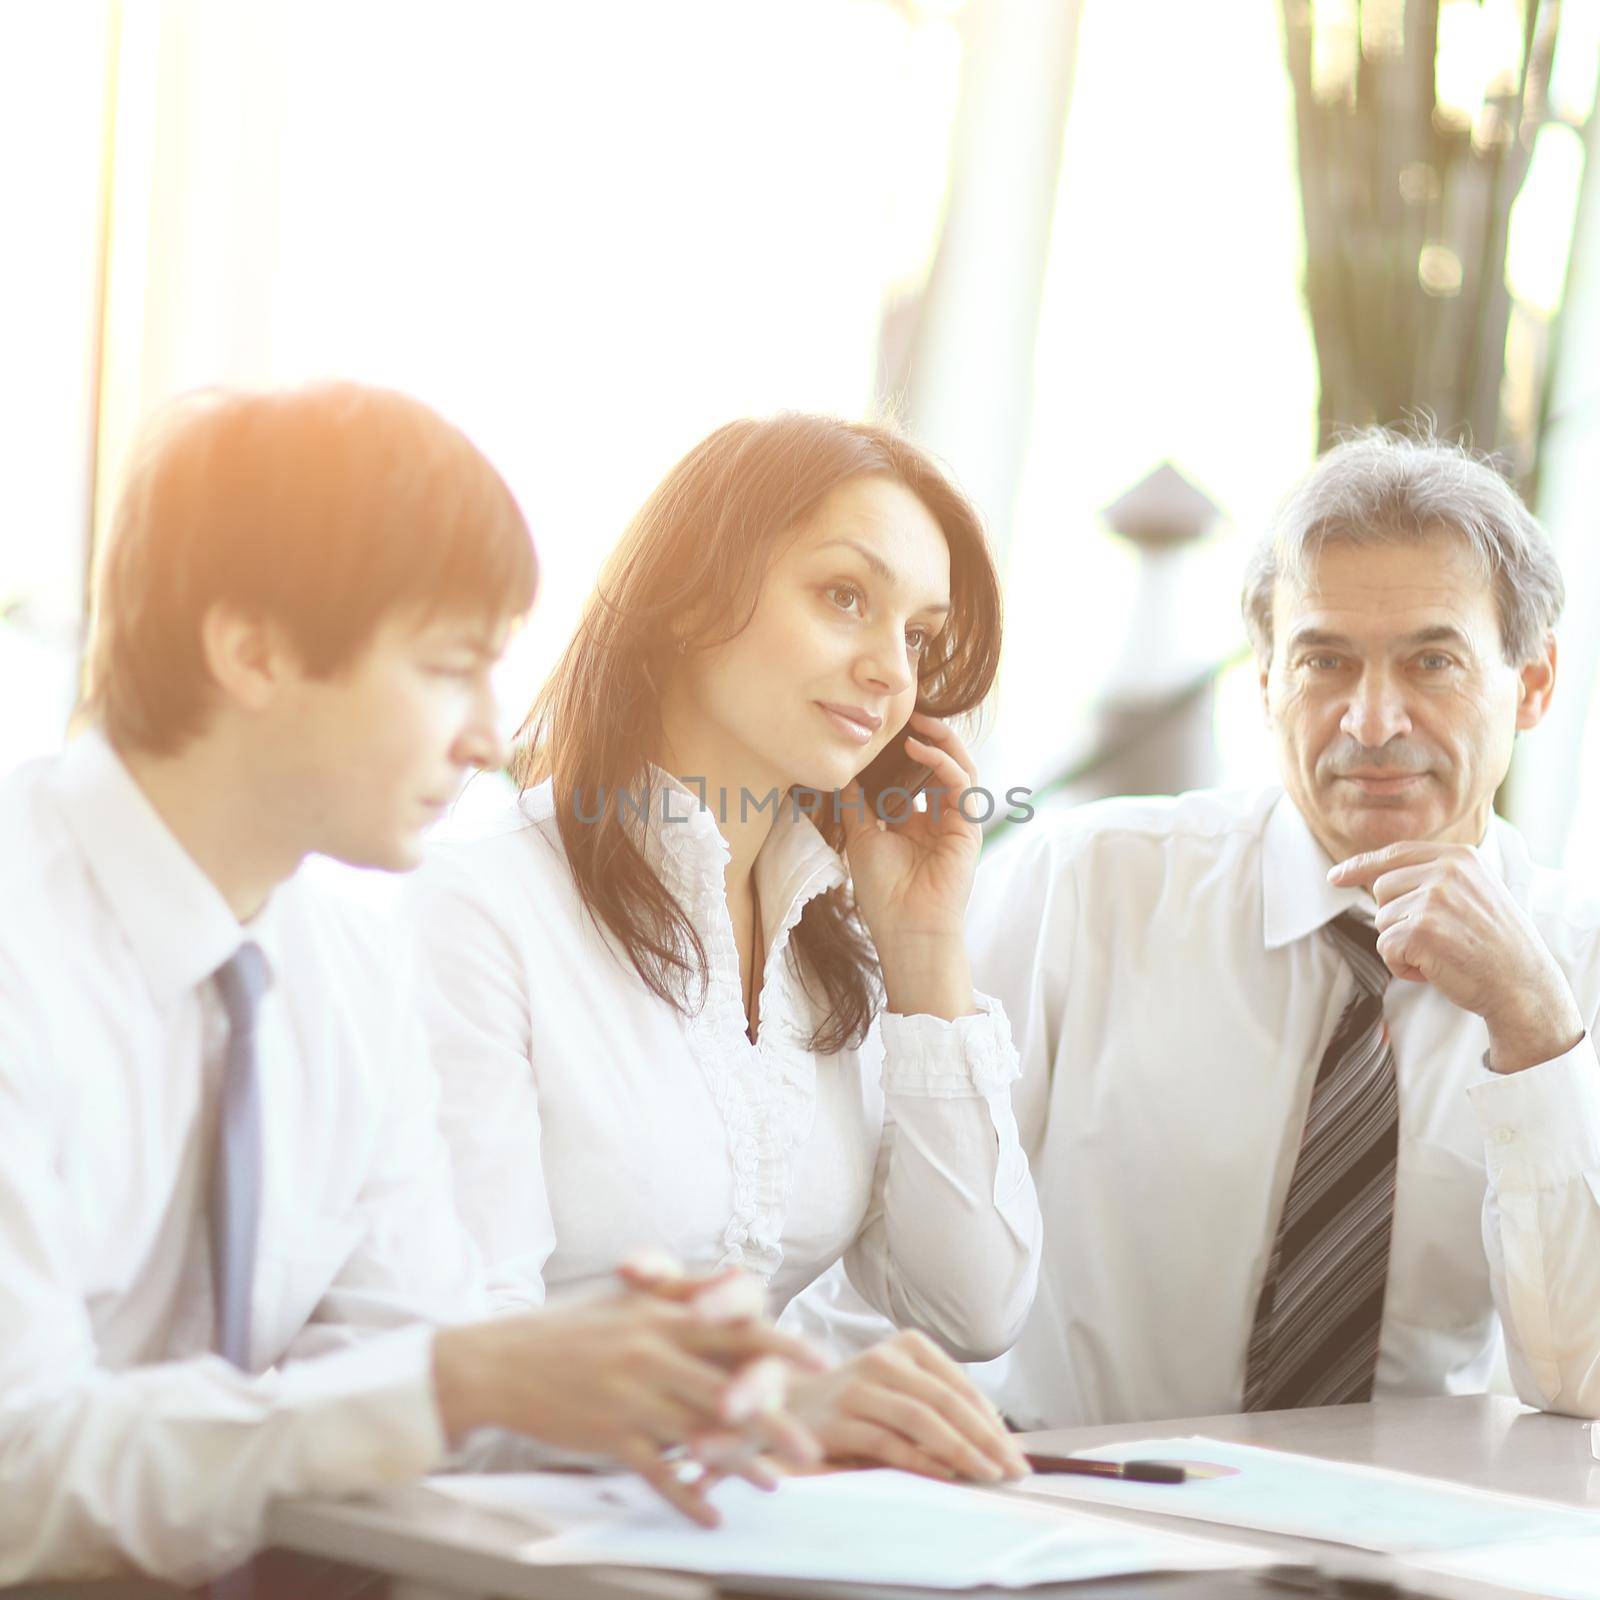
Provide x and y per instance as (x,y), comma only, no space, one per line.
(587,1118)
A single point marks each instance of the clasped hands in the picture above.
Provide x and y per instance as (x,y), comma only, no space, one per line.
(1446,920)
(681,1380)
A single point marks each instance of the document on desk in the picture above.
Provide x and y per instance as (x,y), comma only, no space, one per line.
(1554,1569)
(1370,1507)
(864,1527)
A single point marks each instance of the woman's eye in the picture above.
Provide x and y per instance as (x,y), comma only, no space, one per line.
(917,640)
(845,596)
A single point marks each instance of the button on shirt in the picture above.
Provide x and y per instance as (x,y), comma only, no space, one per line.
(122,1439)
(1172,992)
(586,1117)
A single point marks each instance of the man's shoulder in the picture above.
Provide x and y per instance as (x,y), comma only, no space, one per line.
(1208,821)
(1564,907)
(51,906)
(43,875)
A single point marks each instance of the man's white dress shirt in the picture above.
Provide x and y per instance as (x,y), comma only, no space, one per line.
(121,1438)
(587,1118)
(1172,994)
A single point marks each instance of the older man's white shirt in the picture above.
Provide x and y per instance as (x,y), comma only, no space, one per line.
(1172,994)
(119,1433)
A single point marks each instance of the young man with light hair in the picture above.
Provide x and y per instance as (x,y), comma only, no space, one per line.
(230,1267)
(1310,1088)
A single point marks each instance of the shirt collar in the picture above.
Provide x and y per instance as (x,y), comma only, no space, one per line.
(174,918)
(684,844)
(794,865)
(1296,897)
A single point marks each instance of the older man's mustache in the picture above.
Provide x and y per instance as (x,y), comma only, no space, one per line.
(1398,756)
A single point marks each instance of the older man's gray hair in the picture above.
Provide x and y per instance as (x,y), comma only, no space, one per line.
(1381,487)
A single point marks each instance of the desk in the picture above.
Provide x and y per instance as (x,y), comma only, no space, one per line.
(440,1550)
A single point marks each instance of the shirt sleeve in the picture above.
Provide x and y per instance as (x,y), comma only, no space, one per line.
(167,1468)
(950,1243)
(475,1005)
(1541,1225)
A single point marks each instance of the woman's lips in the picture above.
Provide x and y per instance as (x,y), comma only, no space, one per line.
(856,732)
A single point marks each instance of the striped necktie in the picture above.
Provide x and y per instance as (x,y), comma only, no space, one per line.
(234,1198)
(1315,1338)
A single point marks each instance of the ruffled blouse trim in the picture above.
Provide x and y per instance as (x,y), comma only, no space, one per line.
(949,1060)
(764,1093)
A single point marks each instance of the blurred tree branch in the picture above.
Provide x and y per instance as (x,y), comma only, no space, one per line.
(1407,204)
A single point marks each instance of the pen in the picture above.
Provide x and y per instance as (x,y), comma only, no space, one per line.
(1129,1471)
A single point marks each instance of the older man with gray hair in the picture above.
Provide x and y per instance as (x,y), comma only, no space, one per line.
(1310,1081)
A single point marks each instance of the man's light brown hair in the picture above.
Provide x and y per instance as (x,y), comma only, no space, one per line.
(325,509)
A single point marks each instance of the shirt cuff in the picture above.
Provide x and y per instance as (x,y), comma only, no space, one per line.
(378,1417)
(970,1058)
(1542,1122)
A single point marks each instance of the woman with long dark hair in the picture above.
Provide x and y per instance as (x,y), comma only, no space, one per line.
(707,990)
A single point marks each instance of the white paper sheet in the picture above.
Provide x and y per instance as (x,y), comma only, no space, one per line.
(1369,1507)
(865,1527)
(1562,1569)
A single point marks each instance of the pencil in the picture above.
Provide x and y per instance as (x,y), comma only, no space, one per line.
(1129,1471)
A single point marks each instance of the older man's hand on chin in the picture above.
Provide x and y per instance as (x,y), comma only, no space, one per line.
(1445,919)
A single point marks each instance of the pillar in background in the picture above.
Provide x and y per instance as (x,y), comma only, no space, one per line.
(957,362)
(1154,733)
(1544,782)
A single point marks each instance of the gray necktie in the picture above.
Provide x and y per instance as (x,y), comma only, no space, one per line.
(234,1200)
(1315,1339)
